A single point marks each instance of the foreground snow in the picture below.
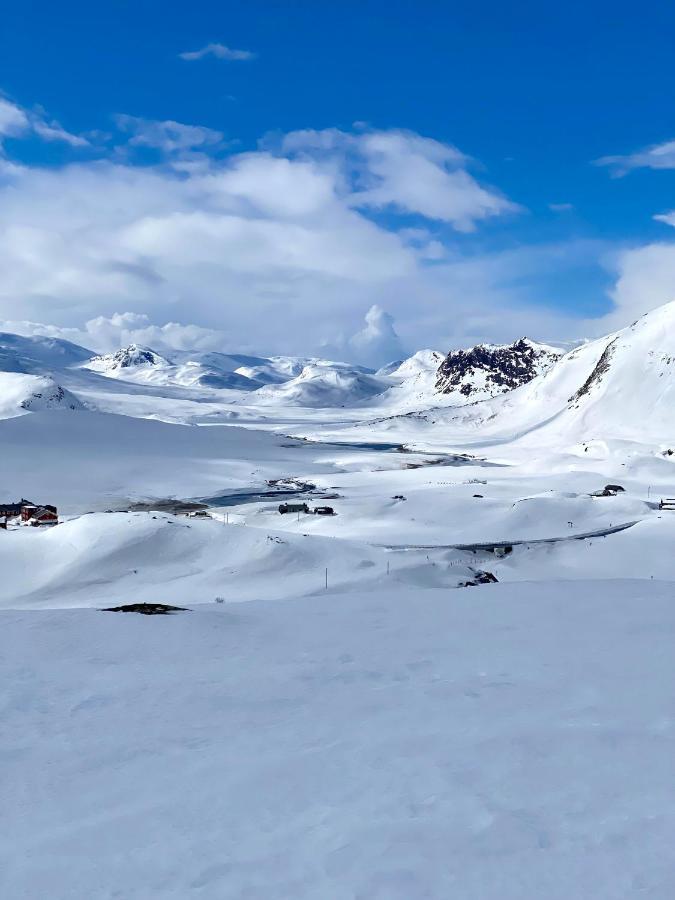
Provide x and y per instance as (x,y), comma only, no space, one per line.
(498,743)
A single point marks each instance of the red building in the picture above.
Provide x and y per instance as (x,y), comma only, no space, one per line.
(39,515)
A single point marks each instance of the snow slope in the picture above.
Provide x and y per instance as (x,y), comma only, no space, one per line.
(38,355)
(94,460)
(502,743)
(185,369)
(103,558)
(323,384)
(414,381)
(619,389)
(20,394)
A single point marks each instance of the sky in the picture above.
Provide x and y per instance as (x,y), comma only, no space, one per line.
(353,179)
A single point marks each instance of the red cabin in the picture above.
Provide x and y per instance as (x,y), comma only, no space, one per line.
(39,515)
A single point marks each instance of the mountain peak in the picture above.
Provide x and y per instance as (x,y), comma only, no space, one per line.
(489,369)
(133,356)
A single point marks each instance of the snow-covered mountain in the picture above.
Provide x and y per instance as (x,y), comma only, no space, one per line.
(420,366)
(276,369)
(323,384)
(412,381)
(191,369)
(38,355)
(490,369)
(618,387)
(21,393)
(125,361)
(622,385)
(462,376)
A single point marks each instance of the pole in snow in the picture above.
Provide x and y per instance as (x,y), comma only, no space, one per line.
(387,567)
(326,579)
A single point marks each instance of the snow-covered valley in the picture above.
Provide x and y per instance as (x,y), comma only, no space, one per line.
(347,720)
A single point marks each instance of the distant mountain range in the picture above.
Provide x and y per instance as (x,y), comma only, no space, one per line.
(463,376)
(620,384)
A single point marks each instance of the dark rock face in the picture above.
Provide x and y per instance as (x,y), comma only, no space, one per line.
(597,374)
(135,356)
(488,370)
(129,357)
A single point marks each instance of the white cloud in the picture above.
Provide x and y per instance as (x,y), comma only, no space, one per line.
(377,342)
(16,122)
(107,333)
(13,120)
(52,131)
(667,218)
(561,207)
(219,51)
(645,280)
(408,173)
(168,136)
(268,251)
(658,156)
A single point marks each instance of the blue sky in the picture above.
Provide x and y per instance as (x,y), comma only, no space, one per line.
(532,95)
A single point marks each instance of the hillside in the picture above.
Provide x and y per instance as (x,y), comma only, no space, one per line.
(21,394)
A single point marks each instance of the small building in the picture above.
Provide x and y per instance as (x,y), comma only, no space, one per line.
(293,508)
(609,490)
(13,510)
(39,515)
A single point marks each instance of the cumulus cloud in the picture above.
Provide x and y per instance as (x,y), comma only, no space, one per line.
(219,51)
(377,342)
(645,280)
(272,251)
(658,156)
(107,333)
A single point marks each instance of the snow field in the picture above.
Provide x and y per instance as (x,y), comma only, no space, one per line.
(503,742)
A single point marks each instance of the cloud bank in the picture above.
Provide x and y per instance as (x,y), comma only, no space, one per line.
(280,249)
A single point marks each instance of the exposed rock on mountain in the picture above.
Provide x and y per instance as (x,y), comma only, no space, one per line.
(488,369)
(20,393)
(131,357)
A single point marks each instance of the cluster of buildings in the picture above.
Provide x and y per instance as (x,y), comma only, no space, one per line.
(304,508)
(26,513)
